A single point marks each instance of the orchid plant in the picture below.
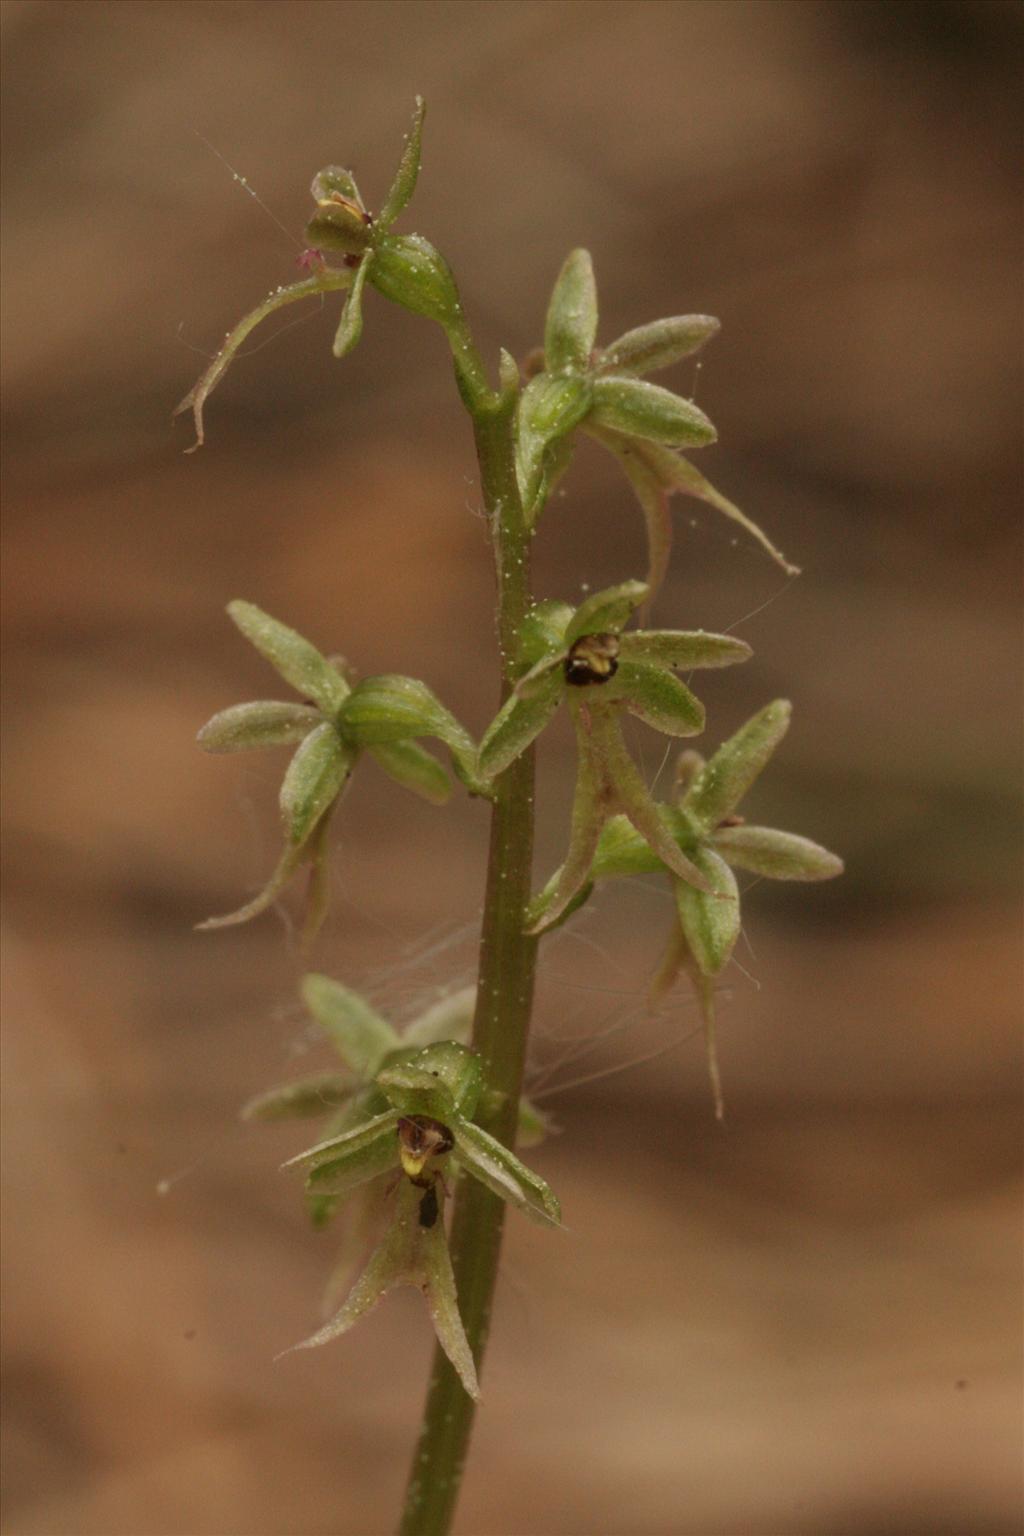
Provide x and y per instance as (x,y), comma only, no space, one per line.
(414,1118)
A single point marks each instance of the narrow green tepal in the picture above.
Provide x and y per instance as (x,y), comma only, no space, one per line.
(646,410)
(315,778)
(572,316)
(252,727)
(777,855)
(358,1033)
(723,781)
(404,184)
(659,344)
(303,1099)
(291,656)
(350,327)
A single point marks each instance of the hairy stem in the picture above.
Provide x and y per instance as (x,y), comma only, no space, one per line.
(504,1001)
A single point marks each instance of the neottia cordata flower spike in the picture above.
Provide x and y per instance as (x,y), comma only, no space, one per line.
(602,391)
(424,1131)
(336,721)
(704,824)
(586,657)
(406,269)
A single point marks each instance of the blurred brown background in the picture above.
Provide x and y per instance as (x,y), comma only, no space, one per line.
(805,1322)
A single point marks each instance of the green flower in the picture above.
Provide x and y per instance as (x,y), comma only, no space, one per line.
(602,391)
(584,657)
(405,269)
(704,826)
(425,1128)
(334,723)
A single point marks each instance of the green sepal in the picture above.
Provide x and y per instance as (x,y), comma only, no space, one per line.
(338,225)
(443,1081)
(335,1149)
(606,611)
(291,656)
(410,272)
(313,781)
(682,648)
(358,1033)
(726,777)
(335,178)
(518,723)
(303,1099)
(571,324)
(263,723)
(328,280)
(657,697)
(710,921)
(778,855)
(413,768)
(389,708)
(534,684)
(648,411)
(350,327)
(354,1166)
(503,1174)
(659,344)
(404,184)
(549,408)
(543,630)
(416,1255)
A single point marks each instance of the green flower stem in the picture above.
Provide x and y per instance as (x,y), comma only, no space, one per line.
(504,1001)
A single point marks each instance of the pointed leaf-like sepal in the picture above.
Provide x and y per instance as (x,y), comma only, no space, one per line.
(315,778)
(335,180)
(328,280)
(451,1018)
(682,649)
(657,697)
(266,723)
(518,723)
(726,777)
(412,1253)
(504,1175)
(350,327)
(443,1081)
(710,921)
(358,1033)
(550,407)
(607,611)
(349,1144)
(535,682)
(647,411)
(404,184)
(572,315)
(409,271)
(303,1099)
(392,708)
(659,344)
(413,768)
(291,656)
(779,855)
(543,630)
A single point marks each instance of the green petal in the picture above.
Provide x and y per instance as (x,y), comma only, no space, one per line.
(442,1080)
(357,1032)
(248,727)
(301,1100)
(291,656)
(657,697)
(350,327)
(413,768)
(779,855)
(711,922)
(451,1018)
(635,800)
(288,864)
(410,1254)
(328,280)
(549,408)
(572,315)
(534,683)
(726,777)
(518,723)
(314,779)
(659,344)
(606,611)
(682,648)
(543,630)
(404,184)
(353,1167)
(650,412)
(389,708)
(504,1175)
